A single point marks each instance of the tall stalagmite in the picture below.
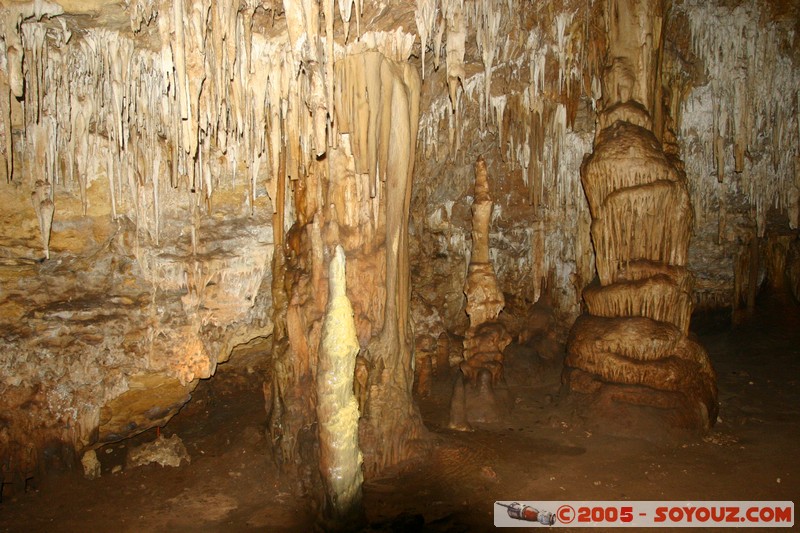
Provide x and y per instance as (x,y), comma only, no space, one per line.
(629,356)
(176,160)
(337,408)
(486,338)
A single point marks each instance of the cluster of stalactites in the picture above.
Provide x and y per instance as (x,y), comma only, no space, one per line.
(530,118)
(216,101)
(500,44)
(752,98)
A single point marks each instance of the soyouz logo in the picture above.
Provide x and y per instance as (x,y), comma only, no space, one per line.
(644,514)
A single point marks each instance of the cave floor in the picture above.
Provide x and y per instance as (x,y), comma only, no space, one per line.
(541,453)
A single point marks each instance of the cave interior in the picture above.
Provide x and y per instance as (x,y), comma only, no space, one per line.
(376,265)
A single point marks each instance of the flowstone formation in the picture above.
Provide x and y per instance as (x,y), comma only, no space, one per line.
(479,394)
(629,357)
(154,154)
(337,408)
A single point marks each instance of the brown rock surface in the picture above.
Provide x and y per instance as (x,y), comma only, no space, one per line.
(631,350)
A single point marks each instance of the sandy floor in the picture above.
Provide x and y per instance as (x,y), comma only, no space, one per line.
(541,453)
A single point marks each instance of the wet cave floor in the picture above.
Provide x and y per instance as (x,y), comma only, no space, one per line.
(541,453)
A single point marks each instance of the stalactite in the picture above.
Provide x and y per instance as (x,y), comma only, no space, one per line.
(562,21)
(346,13)
(16,16)
(126,93)
(456,42)
(487,32)
(424,15)
(752,106)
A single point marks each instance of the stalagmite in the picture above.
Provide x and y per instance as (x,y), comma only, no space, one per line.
(44,207)
(631,349)
(337,408)
(486,338)
(458,407)
(484,299)
(196,148)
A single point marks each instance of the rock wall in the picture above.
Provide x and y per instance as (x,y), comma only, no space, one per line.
(109,336)
(736,75)
(156,261)
(526,105)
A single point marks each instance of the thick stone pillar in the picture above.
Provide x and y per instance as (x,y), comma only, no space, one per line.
(357,198)
(629,358)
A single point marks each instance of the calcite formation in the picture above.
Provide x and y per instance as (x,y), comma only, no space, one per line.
(357,197)
(528,98)
(42,200)
(169,147)
(122,353)
(737,131)
(485,340)
(425,352)
(337,408)
(166,451)
(631,348)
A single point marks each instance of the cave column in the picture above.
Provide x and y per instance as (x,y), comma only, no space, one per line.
(628,357)
(355,200)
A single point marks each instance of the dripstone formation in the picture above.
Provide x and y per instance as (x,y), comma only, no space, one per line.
(177,178)
(483,389)
(629,357)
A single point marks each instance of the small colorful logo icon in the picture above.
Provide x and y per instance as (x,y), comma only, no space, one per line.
(528,513)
